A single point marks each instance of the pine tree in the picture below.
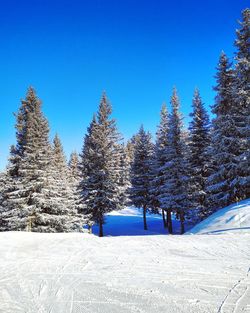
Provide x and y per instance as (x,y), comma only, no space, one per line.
(100,192)
(174,192)
(59,156)
(141,173)
(86,189)
(31,197)
(2,183)
(17,151)
(224,144)
(63,188)
(198,157)
(74,166)
(16,194)
(124,170)
(158,162)
(241,182)
(130,150)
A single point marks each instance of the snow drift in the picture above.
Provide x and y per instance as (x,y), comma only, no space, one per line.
(231,219)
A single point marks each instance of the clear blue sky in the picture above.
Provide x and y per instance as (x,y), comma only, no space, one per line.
(71,51)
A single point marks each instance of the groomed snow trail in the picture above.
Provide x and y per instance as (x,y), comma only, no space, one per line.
(76,273)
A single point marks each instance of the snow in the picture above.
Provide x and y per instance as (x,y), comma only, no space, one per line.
(233,219)
(75,272)
(129,222)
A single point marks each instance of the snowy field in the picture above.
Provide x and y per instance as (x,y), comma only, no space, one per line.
(232,219)
(75,273)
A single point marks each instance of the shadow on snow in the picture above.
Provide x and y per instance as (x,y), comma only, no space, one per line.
(132,225)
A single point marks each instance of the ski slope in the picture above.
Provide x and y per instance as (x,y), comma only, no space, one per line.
(78,273)
(232,219)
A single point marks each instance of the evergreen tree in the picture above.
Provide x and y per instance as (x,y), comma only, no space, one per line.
(174,192)
(100,192)
(198,157)
(224,142)
(31,197)
(141,173)
(241,117)
(124,169)
(158,162)
(86,189)
(63,187)
(130,151)
(74,166)
(17,151)
(16,195)
(60,161)
(2,183)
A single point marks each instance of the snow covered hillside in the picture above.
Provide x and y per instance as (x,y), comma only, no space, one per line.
(73,273)
(232,219)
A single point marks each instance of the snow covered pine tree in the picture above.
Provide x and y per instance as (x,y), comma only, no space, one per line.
(241,113)
(174,192)
(198,157)
(223,141)
(100,192)
(63,188)
(230,180)
(159,159)
(74,167)
(30,195)
(141,173)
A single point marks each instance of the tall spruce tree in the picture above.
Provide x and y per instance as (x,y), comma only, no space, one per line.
(174,192)
(158,162)
(86,188)
(17,151)
(100,192)
(198,157)
(17,195)
(141,173)
(241,110)
(224,143)
(31,198)
(64,189)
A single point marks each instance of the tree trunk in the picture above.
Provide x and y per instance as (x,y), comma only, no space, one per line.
(100,229)
(164,218)
(144,218)
(182,222)
(169,221)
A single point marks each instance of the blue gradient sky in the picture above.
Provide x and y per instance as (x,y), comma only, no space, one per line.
(70,51)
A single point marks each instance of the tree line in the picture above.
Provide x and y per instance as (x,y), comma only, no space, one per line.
(186,173)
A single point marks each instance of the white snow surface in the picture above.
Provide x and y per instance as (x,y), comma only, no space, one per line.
(78,273)
(232,219)
(129,222)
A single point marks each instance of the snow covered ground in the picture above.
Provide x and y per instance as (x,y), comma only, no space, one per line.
(129,222)
(232,219)
(78,273)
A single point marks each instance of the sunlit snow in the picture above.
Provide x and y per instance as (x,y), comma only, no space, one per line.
(72,273)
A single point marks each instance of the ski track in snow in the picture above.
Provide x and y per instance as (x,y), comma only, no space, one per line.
(239,295)
(75,273)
